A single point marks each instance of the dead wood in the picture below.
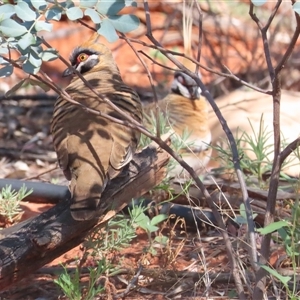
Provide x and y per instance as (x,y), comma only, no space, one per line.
(224,193)
(54,232)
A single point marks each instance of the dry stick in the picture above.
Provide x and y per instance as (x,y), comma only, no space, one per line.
(199,183)
(41,173)
(199,35)
(229,75)
(158,133)
(288,150)
(261,277)
(278,159)
(292,44)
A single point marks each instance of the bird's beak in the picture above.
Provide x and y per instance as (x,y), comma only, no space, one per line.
(195,92)
(189,84)
(68,72)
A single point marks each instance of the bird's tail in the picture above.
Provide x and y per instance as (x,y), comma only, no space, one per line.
(86,191)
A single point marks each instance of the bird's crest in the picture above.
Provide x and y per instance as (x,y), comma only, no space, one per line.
(95,43)
(187,32)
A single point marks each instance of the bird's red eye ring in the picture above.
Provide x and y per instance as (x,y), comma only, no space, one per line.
(82,57)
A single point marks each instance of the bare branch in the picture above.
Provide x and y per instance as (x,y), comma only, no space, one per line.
(273,14)
(236,162)
(151,83)
(291,47)
(288,150)
(200,40)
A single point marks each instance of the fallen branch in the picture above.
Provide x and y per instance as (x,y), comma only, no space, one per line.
(54,232)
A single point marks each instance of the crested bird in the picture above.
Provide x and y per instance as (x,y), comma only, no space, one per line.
(186,109)
(92,149)
(187,115)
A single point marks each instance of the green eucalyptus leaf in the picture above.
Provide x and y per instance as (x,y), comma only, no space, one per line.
(42,25)
(141,218)
(24,12)
(3,50)
(36,50)
(110,7)
(258,2)
(27,40)
(29,68)
(108,31)
(6,71)
(125,23)
(240,220)
(130,3)
(158,219)
(35,60)
(39,4)
(28,25)
(67,4)
(93,15)
(74,13)
(54,13)
(88,3)
(150,228)
(22,58)
(42,85)
(6,11)
(11,28)
(49,55)
(163,240)
(273,227)
(16,87)
(296,7)
(284,279)
(243,211)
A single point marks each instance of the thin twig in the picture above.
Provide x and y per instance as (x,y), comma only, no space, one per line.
(261,276)
(291,46)
(151,83)
(199,183)
(288,150)
(41,173)
(263,30)
(228,75)
(200,30)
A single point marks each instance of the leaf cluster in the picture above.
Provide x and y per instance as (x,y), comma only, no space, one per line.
(10,201)
(70,284)
(22,23)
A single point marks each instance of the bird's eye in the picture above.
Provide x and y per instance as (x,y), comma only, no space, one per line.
(181,80)
(82,57)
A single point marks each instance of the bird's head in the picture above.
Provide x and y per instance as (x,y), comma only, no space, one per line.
(186,86)
(91,57)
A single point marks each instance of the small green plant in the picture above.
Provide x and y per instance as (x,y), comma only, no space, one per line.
(286,232)
(140,219)
(54,180)
(151,121)
(71,285)
(118,234)
(178,143)
(259,145)
(10,202)
(289,237)
(261,148)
